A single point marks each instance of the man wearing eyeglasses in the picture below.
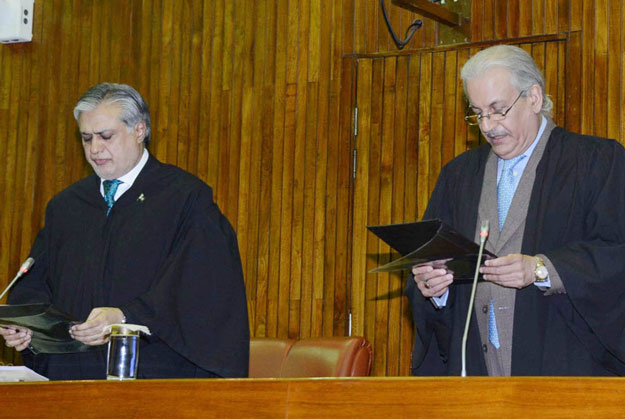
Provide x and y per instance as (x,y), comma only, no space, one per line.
(550,303)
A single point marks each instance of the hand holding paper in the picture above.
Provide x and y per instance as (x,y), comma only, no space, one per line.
(430,242)
(91,331)
(16,337)
(432,279)
(512,271)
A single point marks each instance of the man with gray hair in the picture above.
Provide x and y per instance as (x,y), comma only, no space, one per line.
(550,303)
(140,242)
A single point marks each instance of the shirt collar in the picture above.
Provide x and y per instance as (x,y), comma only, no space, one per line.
(129,178)
(530,149)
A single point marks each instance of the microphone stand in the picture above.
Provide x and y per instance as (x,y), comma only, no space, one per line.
(28,263)
(483,237)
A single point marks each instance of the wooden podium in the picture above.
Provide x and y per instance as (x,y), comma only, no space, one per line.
(314,398)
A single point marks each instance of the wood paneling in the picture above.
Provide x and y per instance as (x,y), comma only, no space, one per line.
(256,98)
(365,398)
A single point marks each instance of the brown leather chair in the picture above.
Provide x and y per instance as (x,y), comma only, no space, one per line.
(267,356)
(314,357)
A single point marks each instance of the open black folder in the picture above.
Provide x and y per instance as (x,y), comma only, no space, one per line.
(430,241)
(50,327)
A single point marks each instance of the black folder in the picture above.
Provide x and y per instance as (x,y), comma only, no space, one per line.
(430,241)
(50,327)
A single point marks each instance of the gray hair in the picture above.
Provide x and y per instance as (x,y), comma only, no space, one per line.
(134,108)
(524,72)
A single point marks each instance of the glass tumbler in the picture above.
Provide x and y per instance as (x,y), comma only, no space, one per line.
(123,354)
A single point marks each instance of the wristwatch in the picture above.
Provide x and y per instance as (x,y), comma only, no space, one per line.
(540,273)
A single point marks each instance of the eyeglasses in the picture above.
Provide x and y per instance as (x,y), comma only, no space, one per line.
(475,119)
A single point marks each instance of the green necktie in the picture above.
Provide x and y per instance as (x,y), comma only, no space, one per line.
(110,187)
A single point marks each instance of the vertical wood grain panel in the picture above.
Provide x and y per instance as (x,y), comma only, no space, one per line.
(308,183)
(538,16)
(234,101)
(563,15)
(10,69)
(622,79)
(411,207)
(525,18)
(551,16)
(423,150)
(325,103)
(256,98)
(461,138)
(371,206)
(448,109)
(576,12)
(512,18)
(257,242)
(573,116)
(344,200)
(182,145)
(277,164)
(588,67)
(297,228)
(600,63)
(361,192)
(501,19)
(488,22)
(400,177)
(436,116)
(383,205)
(613,80)
(477,12)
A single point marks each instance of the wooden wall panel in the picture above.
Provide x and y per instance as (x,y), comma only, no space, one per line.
(256,98)
(369,33)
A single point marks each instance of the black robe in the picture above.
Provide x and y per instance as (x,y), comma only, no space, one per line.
(576,217)
(166,256)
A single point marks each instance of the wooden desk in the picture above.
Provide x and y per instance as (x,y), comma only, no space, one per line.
(312,398)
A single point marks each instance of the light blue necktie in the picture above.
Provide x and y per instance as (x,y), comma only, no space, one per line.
(110,187)
(506,188)
(493,336)
(505,192)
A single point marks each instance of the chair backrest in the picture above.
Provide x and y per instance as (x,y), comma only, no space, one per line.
(267,356)
(314,357)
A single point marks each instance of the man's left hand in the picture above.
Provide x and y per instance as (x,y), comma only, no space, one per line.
(91,332)
(512,271)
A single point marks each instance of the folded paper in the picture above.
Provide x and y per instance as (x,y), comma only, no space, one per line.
(430,242)
(130,327)
(50,327)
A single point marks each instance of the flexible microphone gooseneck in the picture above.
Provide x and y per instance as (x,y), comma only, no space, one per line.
(483,237)
(28,263)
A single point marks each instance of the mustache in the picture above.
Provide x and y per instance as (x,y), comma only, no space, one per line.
(496,133)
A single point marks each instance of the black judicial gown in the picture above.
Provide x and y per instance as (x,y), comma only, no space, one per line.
(576,217)
(166,256)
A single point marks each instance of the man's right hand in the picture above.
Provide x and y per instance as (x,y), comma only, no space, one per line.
(17,337)
(432,282)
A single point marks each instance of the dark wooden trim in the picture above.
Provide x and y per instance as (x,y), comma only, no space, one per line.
(480,44)
(430,10)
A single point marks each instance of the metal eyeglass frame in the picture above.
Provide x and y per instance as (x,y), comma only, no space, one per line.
(475,119)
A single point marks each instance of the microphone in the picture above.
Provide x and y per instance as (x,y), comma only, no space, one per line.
(483,237)
(28,263)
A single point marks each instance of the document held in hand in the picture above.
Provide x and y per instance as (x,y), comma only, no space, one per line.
(433,242)
(50,327)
